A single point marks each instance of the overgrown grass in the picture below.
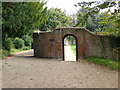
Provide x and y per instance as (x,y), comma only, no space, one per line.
(5,53)
(73,47)
(104,62)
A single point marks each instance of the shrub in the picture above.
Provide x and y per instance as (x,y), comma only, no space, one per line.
(0,53)
(28,40)
(4,53)
(8,44)
(19,43)
(26,48)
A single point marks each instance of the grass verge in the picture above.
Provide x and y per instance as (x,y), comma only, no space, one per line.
(19,50)
(6,53)
(104,62)
(112,64)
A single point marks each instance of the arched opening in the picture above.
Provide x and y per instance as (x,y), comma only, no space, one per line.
(69,43)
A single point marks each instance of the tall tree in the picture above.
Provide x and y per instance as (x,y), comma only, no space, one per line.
(87,22)
(21,18)
(56,18)
(113,18)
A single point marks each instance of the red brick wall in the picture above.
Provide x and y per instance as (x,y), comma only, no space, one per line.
(50,44)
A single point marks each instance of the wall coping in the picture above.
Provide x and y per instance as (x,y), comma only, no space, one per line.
(74,28)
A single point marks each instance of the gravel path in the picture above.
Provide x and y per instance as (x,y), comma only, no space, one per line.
(69,55)
(25,71)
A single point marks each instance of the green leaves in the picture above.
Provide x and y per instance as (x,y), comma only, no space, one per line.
(108,23)
(21,18)
(56,18)
(111,24)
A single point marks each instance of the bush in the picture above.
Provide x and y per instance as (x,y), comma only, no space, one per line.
(26,48)
(0,53)
(19,43)
(8,44)
(4,53)
(28,40)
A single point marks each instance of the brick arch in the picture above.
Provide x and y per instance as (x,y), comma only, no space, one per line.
(63,45)
(50,44)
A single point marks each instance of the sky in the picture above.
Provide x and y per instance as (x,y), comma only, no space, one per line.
(65,5)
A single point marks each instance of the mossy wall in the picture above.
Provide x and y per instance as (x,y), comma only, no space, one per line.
(50,44)
(102,46)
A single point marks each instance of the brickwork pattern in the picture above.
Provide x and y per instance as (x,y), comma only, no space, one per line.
(50,44)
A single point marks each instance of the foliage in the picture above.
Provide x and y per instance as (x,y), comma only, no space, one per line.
(26,48)
(73,48)
(95,6)
(72,20)
(109,23)
(88,22)
(56,19)
(27,39)
(104,62)
(19,43)
(71,39)
(4,53)
(81,20)
(13,50)
(8,44)
(21,18)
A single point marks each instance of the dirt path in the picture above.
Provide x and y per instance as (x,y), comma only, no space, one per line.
(25,71)
(69,55)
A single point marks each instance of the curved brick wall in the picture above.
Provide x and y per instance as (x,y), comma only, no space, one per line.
(50,44)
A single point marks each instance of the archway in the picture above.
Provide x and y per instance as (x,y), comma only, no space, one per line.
(70,48)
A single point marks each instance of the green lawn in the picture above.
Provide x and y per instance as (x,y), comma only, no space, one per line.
(112,64)
(73,47)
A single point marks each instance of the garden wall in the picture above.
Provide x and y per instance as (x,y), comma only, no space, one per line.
(50,44)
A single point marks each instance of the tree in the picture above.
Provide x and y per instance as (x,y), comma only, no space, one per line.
(112,20)
(109,23)
(21,18)
(87,22)
(56,18)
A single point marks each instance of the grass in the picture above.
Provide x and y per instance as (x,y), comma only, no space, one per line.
(13,50)
(112,64)
(73,47)
(104,62)
(6,53)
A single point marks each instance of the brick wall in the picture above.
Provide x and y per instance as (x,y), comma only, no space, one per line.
(50,44)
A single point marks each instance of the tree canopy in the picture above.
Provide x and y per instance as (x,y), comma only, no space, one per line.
(92,16)
(56,18)
(20,18)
